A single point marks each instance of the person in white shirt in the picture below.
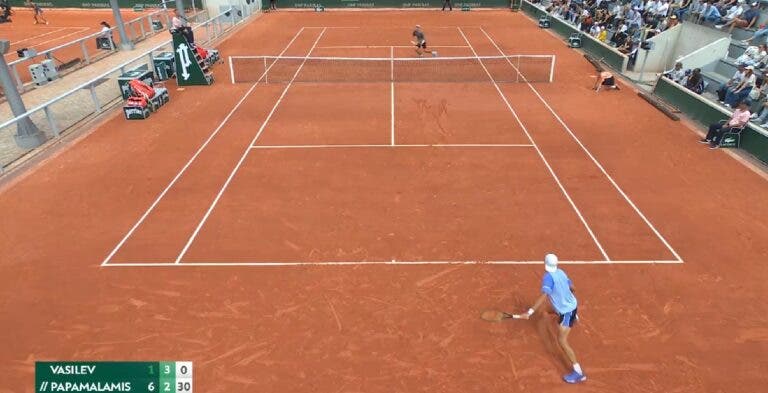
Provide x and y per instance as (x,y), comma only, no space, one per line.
(677,74)
(732,13)
(734,81)
(651,6)
(741,91)
(662,9)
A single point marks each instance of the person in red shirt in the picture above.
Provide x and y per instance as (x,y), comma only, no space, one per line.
(739,118)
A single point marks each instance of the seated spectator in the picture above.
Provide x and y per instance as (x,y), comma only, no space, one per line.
(750,57)
(741,91)
(762,117)
(677,74)
(695,81)
(695,10)
(745,21)
(734,12)
(760,35)
(662,9)
(673,21)
(603,34)
(739,118)
(711,13)
(734,81)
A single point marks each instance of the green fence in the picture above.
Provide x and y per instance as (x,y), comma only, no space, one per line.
(702,111)
(386,4)
(97,3)
(599,50)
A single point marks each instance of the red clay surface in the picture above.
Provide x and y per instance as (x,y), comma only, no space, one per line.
(64,26)
(693,327)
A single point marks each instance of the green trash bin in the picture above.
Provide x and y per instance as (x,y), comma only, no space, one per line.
(164,65)
(141,73)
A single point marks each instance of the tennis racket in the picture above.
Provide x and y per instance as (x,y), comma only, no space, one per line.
(498,316)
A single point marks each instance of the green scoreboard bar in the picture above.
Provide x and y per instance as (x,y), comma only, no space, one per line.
(134,377)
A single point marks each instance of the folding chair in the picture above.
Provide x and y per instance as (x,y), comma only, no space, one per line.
(732,137)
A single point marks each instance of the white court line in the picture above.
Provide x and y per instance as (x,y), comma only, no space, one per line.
(189,162)
(278,147)
(60,37)
(38,36)
(591,157)
(245,153)
(541,155)
(387,46)
(392,262)
(392,94)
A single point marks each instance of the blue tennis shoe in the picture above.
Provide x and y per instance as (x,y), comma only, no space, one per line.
(575,377)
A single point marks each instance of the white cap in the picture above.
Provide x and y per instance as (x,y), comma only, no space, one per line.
(550,263)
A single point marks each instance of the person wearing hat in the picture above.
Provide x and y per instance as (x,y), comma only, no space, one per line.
(558,288)
(741,91)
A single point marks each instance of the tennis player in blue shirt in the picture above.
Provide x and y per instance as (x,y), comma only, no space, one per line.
(557,287)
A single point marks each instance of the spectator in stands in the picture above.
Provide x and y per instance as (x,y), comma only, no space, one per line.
(760,35)
(741,91)
(734,81)
(688,6)
(762,117)
(711,13)
(745,21)
(752,56)
(739,118)
(634,19)
(695,81)
(677,74)
(734,12)
(699,11)
(603,34)
(662,9)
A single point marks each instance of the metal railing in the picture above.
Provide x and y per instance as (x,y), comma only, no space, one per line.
(91,98)
(82,51)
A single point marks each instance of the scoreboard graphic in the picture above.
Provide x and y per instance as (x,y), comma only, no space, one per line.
(134,377)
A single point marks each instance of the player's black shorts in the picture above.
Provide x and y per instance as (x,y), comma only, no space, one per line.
(422,45)
(569,318)
(609,81)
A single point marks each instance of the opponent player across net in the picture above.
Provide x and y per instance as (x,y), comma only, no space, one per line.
(421,42)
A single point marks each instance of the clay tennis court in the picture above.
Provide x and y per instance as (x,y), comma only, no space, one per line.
(65,25)
(344,237)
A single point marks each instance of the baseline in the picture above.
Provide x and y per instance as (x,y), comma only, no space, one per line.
(392,262)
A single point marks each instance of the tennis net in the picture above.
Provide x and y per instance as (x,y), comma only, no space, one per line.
(284,69)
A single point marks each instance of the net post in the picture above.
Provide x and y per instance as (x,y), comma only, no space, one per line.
(231,70)
(552,69)
(266,74)
(392,64)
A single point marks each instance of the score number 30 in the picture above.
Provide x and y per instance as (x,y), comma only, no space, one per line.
(181,386)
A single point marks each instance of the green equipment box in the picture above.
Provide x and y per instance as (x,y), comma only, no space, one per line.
(164,66)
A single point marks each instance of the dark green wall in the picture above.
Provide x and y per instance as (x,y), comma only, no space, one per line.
(386,3)
(608,55)
(95,3)
(698,109)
